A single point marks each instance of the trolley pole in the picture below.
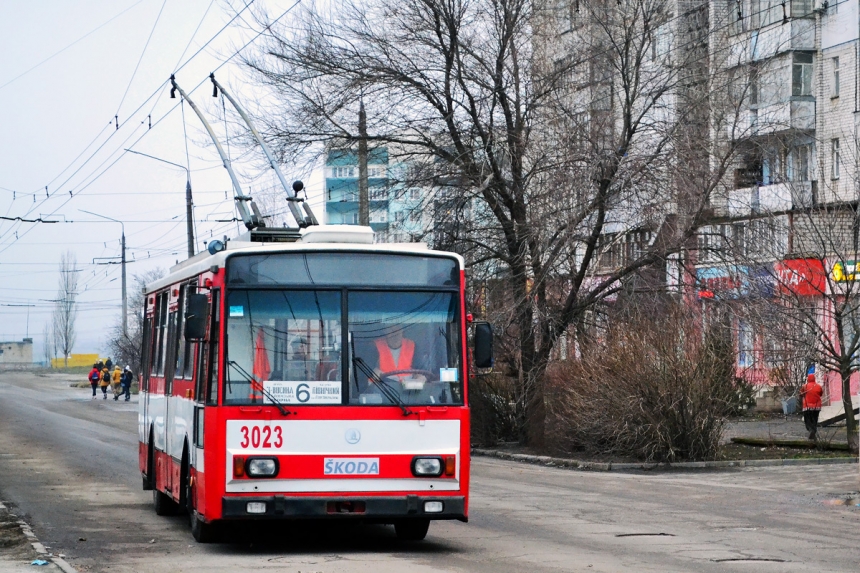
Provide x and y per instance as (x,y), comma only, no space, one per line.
(363,199)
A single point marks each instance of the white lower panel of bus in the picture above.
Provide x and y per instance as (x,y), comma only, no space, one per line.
(360,438)
(342,485)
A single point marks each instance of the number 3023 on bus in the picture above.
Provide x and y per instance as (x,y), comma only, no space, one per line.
(261,437)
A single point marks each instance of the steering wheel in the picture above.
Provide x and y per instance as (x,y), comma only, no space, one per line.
(413,371)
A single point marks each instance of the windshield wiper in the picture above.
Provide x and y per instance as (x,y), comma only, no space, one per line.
(383,386)
(259,387)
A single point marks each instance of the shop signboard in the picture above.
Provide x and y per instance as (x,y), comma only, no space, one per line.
(734,281)
(844,271)
(801,277)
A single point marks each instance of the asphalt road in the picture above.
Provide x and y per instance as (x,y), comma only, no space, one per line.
(69,464)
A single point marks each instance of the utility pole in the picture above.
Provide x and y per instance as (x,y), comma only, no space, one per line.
(189,202)
(363,199)
(124,291)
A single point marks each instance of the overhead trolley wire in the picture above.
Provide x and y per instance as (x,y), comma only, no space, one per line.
(57,53)
(81,187)
(139,60)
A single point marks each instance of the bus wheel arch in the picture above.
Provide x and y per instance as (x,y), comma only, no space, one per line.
(149,476)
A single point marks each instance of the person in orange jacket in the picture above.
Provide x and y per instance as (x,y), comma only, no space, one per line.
(395,352)
(810,394)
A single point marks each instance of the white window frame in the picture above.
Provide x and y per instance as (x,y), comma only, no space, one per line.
(835,87)
(835,159)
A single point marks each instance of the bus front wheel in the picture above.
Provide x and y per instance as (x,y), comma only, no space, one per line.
(412,529)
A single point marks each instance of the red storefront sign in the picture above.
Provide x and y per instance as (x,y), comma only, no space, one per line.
(802,277)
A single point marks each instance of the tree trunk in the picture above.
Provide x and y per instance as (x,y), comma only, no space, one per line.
(850,423)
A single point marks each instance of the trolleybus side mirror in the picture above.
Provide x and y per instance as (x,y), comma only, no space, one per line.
(483,345)
(195,316)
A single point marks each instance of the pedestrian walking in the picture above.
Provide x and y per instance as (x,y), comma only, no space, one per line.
(126,380)
(109,364)
(105,382)
(116,382)
(94,377)
(810,394)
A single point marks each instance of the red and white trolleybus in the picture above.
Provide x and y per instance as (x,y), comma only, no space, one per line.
(320,378)
(307,373)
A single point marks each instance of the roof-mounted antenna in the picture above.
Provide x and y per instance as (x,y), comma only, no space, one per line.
(251,219)
(292,192)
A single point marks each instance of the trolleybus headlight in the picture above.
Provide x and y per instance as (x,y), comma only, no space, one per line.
(427,467)
(261,467)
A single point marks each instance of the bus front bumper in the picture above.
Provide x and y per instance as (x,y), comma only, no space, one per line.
(380,509)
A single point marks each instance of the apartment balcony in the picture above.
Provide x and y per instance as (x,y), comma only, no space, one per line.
(796,114)
(773,198)
(774,39)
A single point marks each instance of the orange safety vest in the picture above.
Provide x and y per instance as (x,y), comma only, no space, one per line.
(386,359)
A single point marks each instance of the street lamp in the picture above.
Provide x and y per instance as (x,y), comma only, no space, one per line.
(189,221)
(124,296)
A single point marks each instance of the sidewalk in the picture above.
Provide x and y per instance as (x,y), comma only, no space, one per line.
(20,550)
(779,427)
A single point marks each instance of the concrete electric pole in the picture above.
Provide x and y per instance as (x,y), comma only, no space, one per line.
(363,199)
(124,290)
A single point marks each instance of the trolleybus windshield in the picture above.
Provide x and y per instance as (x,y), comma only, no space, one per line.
(346,344)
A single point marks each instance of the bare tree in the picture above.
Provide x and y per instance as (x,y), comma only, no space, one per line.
(561,146)
(126,348)
(49,351)
(65,306)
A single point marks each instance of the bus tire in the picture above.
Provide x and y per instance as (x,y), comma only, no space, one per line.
(412,529)
(164,504)
(201,531)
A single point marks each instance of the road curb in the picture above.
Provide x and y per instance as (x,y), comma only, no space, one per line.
(618,466)
(40,548)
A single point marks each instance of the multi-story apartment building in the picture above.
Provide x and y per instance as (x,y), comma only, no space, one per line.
(780,80)
(396,215)
(783,218)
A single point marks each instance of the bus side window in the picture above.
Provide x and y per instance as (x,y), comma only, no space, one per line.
(170,352)
(146,352)
(202,372)
(178,345)
(214,346)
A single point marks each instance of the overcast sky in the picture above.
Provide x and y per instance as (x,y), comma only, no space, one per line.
(67,69)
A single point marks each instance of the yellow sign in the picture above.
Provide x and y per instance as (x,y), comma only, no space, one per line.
(844,272)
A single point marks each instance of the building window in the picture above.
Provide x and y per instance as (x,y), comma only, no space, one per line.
(835,159)
(801,163)
(835,64)
(415,216)
(378,216)
(378,193)
(735,16)
(400,217)
(414,193)
(745,345)
(753,86)
(801,8)
(376,172)
(801,74)
(342,172)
